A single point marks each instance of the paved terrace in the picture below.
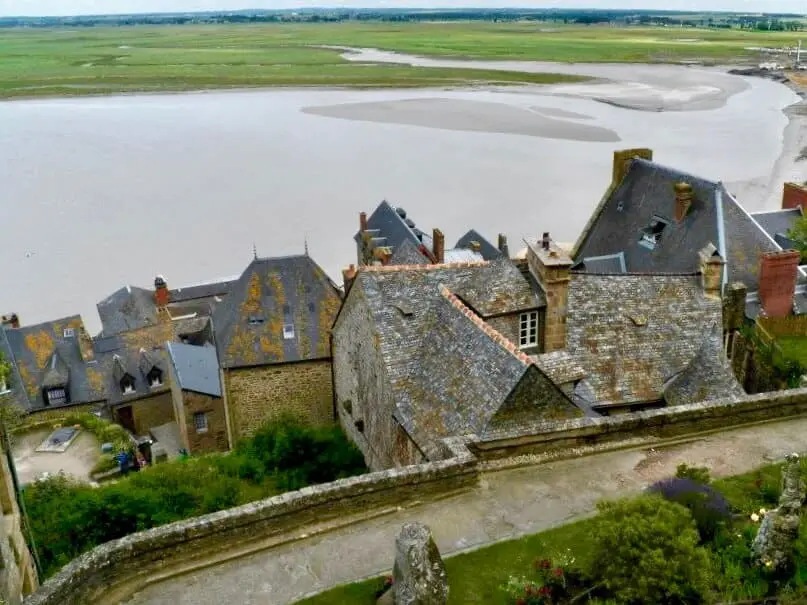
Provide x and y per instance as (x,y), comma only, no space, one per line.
(507,503)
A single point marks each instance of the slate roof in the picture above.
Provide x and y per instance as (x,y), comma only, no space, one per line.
(561,366)
(392,227)
(777,223)
(488,250)
(451,374)
(196,368)
(613,263)
(44,356)
(461,255)
(408,254)
(634,333)
(272,297)
(128,308)
(647,193)
(200,291)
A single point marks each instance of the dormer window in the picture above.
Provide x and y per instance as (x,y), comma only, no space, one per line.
(650,235)
(288,331)
(155,378)
(69,332)
(127,385)
(256,321)
(57,396)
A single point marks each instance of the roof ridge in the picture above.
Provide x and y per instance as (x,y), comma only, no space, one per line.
(429,267)
(495,335)
(673,171)
(635,274)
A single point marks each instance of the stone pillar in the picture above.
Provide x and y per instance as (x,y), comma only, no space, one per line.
(419,575)
(734,298)
(438,246)
(773,545)
(551,267)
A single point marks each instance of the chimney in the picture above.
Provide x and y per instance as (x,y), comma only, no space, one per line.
(711,268)
(683,200)
(85,344)
(161,295)
(383,255)
(438,246)
(503,247)
(551,267)
(794,196)
(11,320)
(777,282)
(362,221)
(622,160)
(348,277)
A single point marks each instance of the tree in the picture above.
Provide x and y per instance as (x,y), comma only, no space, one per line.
(798,233)
(645,550)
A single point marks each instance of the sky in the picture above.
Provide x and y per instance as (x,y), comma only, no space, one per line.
(88,7)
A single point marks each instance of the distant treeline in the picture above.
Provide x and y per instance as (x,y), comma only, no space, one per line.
(773,22)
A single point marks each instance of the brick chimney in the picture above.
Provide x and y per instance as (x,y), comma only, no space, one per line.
(362,221)
(777,282)
(622,160)
(11,320)
(503,247)
(438,246)
(551,266)
(683,200)
(794,196)
(711,268)
(85,344)
(348,277)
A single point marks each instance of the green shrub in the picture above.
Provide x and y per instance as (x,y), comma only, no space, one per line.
(699,474)
(645,550)
(105,463)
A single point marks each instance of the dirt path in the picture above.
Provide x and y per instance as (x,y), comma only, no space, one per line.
(507,504)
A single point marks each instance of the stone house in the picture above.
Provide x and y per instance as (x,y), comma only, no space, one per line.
(390,236)
(197,398)
(273,343)
(426,351)
(655,219)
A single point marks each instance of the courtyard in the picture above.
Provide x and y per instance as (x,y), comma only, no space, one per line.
(77,460)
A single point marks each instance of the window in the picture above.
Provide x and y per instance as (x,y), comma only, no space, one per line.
(288,331)
(528,330)
(200,422)
(649,236)
(69,332)
(56,396)
(256,321)
(155,378)
(127,386)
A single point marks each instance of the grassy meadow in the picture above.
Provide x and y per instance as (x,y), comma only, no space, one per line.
(87,61)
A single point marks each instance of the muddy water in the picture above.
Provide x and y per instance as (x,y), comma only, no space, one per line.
(96,193)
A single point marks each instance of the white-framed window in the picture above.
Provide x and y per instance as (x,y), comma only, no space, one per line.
(528,330)
(288,331)
(156,381)
(56,396)
(69,332)
(128,387)
(200,422)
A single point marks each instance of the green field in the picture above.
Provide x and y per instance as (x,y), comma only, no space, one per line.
(174,58)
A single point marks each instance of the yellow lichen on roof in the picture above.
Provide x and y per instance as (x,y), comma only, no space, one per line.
(242,345)
(41,344)
(252,302)
(95,380)
(327,315)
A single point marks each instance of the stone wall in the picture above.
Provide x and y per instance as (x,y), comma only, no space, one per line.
(110,573)
(366,413)
(152,411)
(214,439)
(260,394)
(665,423)
(59,414)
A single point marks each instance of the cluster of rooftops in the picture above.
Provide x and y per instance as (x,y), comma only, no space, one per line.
(637,302)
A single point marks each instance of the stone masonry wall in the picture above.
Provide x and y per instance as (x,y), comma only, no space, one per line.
(152,411)
(110,573)
(215,438)
(58,415)
(258,395)
(662,423)
(365,413)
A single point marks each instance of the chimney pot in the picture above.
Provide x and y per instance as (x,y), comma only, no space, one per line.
(362,221)
(545,241)
(11,320)
(439,246)
(777,282)
(161,295)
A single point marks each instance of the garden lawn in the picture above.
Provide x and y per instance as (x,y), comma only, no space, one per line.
(107,60)
(477,577)
(794,348)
